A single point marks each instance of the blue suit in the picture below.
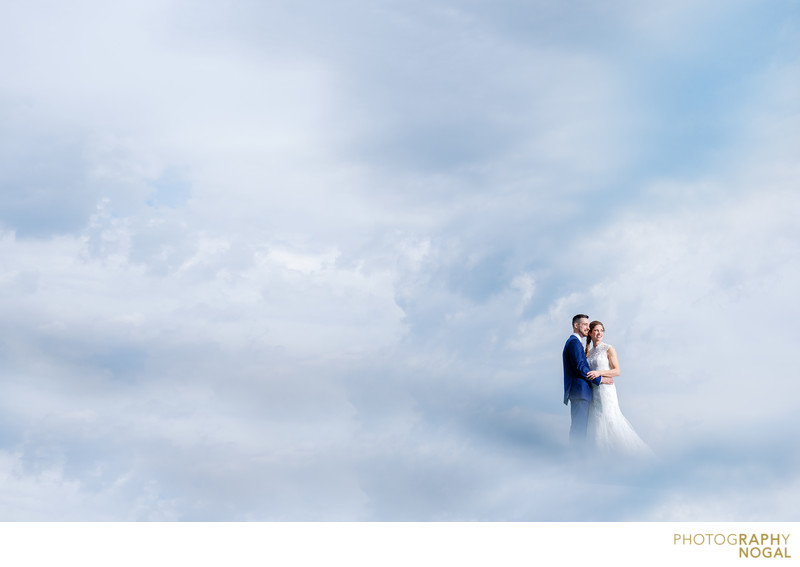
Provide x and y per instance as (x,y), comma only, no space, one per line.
(577,388)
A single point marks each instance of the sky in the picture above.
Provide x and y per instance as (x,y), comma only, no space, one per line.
(318,260)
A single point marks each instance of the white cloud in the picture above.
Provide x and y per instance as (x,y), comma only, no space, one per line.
(320,265)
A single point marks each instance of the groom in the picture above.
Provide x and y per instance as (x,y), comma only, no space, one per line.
(578,377)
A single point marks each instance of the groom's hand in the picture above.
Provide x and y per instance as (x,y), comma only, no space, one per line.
(607,381)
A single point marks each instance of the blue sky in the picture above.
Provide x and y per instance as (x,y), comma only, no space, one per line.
(305,261)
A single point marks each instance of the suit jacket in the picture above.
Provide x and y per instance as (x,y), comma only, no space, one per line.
(576,384)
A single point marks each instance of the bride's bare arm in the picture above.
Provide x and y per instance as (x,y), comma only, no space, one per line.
(613,362)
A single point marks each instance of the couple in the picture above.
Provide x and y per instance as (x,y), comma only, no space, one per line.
(589,372)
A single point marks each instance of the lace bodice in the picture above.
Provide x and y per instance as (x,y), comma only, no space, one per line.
(598,357)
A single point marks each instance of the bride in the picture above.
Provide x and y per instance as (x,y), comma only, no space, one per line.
(608,430)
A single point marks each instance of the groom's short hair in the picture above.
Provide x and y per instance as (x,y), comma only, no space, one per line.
(578,317)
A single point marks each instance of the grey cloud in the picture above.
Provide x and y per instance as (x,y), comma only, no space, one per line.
(44,184)
(368,229)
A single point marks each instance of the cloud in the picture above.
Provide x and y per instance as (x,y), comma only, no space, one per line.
(279,263)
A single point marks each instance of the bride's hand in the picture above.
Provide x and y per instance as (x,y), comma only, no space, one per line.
(592,374)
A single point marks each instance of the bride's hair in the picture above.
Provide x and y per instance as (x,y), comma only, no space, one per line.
(592,325)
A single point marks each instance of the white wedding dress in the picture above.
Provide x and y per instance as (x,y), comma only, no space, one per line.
(608,430)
